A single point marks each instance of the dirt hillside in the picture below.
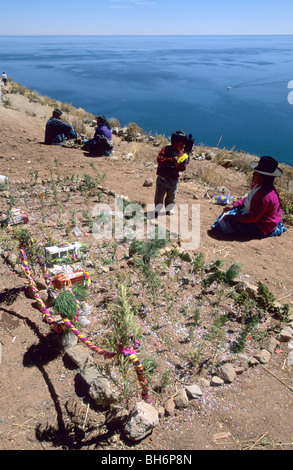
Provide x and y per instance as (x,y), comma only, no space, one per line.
(38,403)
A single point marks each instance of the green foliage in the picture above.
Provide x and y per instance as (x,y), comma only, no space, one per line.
(232,272)
(147,249)
(239,344)
(149,365)
(31,248)
(122,323)
(197,263)
(215,331)
(220,276)
(65,305)
(80,292)
(265,299)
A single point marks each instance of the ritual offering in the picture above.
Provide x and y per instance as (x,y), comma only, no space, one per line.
(14,217)
(65,253)
(68,279)
(223,199)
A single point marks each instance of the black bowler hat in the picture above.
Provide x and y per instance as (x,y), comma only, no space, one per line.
(267,166)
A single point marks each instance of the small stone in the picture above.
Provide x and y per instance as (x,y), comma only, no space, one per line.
(79,355)
(101,391)
(116,414)
(227,373)
(142,420)
(270,345)
(285,334)
(169,407)
(148,183)
(181,400)
(252,362)
(216,381)
(263,356)
(193,391)
(203,383)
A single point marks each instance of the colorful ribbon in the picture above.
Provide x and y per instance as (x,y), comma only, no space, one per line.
(130,353)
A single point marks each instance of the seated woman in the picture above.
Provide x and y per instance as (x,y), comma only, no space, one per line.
(259,214)
(102,143)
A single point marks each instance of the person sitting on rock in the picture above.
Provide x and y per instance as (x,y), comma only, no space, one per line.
(259,214)
(57,131)
(102,142)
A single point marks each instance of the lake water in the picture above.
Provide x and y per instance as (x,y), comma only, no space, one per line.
(166,83)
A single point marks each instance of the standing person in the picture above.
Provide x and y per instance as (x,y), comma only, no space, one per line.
(168,171)
(258,214)
(102,142)
(57,131)
(4,78)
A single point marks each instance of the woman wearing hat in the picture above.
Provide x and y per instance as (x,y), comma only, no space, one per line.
(259,214)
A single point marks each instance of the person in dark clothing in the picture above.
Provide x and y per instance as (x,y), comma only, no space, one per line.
(101,144)
(58,131)
(168,170)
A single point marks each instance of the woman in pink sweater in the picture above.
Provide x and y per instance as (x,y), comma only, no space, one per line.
(259,214)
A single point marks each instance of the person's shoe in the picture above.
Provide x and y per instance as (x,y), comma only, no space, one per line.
(156,215)
(171,212)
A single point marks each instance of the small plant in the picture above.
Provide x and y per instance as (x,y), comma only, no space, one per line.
(165,379)
(265,299)
(220,276)
(149,365)
(132,131)
(216,331)
(147,249)
(124,331)
(239,344)
(65,305)
(195,357)
(197,263)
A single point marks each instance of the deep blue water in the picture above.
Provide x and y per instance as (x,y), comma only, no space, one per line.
(166,83)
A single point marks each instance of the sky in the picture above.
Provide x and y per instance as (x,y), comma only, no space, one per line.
(146,17)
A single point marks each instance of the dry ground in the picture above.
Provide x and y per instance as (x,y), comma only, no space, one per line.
(40,404)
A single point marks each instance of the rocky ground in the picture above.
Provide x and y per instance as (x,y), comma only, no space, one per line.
(43,404)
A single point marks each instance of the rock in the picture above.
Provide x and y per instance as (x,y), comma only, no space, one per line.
(181,400)
(285,334)
(263,356)
(203,383)
(226,163)
(142,420)
(270,345)
(148,183)
(79,355)
(68,340)
(170,407)
(90,373)
(77,232)
(101,391)
(252,362)
(12,259)
(193,391)
(216,381)
(290,359)
(44,295)
(116,414)
(227,373)
(243,286)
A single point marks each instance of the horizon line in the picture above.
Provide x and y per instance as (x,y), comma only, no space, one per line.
(134,34)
